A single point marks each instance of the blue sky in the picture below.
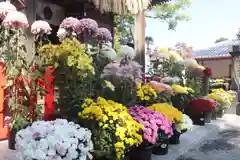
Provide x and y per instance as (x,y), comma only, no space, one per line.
(211,19)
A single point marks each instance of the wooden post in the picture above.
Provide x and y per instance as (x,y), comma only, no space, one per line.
(206,85)
(139,39)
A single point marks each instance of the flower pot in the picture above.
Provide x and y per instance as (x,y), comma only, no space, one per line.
(199,119)
(175,139)
(141,153)
(162,147)
(208,117)
(220,113)
(11,139)
(214,116)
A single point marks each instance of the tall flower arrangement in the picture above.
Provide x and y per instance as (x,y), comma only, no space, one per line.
(19,72)
(115,120)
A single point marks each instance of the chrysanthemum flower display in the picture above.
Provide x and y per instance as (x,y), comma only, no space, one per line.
(87,27)
(114,117)
(130,71)
(126,51)
(180,89)
(103,34)
(152,122)
(70,24)
(199,105)
(145,92)
(5,8)
(173,114)
(170,80)
(221,96)
(15,20)
(160,87)
(167,110)
(57,139)
(41,27)
(187,123)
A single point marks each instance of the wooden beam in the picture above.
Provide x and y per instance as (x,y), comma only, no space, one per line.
(139,38)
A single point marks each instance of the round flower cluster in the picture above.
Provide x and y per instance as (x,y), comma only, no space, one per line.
(152,121)
(103,34)
(87,27)
(180,89)
(126,51)
(40,27)
(173,114)
(199,105)
(130,71)
(145,92)
(70,24)
(115,117)
(59,140)
(221,97)
(161,87)
(15,19)
(187,123)
(170,80)
(5,8)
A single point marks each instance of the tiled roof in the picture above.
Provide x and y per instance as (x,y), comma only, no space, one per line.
(218,50)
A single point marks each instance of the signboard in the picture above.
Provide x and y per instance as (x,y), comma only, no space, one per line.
(236,70)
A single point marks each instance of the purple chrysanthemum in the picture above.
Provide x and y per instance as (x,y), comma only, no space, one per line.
(152,122)
(87,27)
(70,23)
(103,34)
(131,71)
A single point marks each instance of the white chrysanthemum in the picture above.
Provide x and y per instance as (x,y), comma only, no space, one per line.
(172,80)
(53,140)
(187,123)
(126,51)
(62,33)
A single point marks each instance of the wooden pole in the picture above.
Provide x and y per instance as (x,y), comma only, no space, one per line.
(139,39)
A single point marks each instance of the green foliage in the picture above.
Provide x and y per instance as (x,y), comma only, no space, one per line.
(21,78)
(168,67)
(103,142)
(221,39)
(172,12)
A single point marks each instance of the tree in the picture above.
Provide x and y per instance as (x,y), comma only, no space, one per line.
(172,13)
(149,40)
(221,39)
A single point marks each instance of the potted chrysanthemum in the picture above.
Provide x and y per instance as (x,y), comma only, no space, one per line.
(57,139)
(116,131)
(157,130)
(174,115)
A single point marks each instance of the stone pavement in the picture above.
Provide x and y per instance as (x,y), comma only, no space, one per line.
(219,145)
(219,140)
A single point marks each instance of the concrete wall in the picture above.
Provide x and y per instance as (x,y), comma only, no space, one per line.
(220,67)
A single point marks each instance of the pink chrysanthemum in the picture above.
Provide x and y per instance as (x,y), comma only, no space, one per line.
(87,27)
(70,23)
(15,20)
(103,34)
(41,27)
(5,8)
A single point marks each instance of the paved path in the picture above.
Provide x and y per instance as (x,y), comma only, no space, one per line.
(219,140)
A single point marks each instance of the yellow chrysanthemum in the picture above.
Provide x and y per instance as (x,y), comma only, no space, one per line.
(109,113)
(145,92)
